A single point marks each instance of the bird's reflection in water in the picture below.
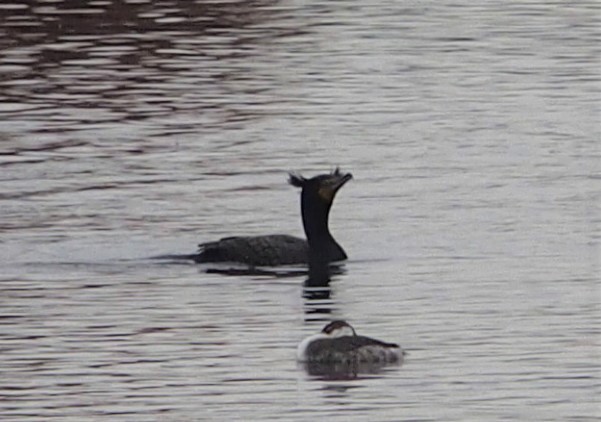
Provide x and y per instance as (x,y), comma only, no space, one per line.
(317,291)
(314,279)
(244,271)
(318,303)
(341,371)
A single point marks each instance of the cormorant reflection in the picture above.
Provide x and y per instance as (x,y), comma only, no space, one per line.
(316,288)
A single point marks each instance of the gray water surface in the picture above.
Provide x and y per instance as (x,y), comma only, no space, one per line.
(139,128)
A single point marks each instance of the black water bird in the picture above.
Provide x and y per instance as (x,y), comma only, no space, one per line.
(317,196)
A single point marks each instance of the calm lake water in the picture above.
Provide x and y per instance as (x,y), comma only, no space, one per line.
(136,128)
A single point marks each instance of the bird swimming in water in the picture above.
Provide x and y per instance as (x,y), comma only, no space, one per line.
(338,343)
(317,196)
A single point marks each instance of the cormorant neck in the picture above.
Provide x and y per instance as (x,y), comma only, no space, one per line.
(322,246)
(315,222)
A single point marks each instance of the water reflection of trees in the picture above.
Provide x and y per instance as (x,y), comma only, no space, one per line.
(145,58)
(30,21)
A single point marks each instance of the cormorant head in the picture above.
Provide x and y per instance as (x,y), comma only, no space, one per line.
(323,186)
(338,328)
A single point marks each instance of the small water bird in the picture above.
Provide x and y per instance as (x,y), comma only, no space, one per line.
(338,343)
(317,197)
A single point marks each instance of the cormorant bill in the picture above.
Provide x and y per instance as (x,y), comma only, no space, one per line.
(317,196)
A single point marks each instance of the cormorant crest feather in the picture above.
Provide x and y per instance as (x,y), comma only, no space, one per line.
(299,181)
(296,180)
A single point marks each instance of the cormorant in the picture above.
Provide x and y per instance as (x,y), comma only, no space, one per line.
(338,344)
(317,196)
